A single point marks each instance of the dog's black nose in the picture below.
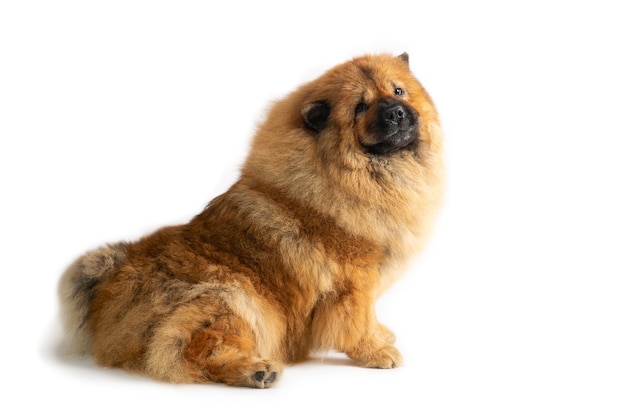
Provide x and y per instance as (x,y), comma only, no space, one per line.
(394,114)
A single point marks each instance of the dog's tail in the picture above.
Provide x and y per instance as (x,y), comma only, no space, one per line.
(77,288)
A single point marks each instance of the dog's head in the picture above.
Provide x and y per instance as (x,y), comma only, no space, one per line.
(369,116)
(371,105)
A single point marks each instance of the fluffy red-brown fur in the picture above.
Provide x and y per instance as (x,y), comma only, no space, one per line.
(292,258)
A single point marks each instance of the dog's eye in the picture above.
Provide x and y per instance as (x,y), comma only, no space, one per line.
(361,107)
(398,91)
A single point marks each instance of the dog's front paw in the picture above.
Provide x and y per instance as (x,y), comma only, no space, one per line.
(386,357)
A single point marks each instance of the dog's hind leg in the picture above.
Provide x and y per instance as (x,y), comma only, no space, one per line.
(225,351)
(204,342)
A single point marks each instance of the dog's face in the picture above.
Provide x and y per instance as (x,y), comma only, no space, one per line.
(366,124)
(371,106)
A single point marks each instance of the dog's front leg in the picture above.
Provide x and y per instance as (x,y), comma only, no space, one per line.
(349,324)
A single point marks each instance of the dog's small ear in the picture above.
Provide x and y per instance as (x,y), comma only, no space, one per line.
(315,115)
(404,57)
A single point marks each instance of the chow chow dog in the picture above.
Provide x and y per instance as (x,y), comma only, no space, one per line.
(338,191)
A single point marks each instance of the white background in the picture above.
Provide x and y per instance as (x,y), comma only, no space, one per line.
(119,117)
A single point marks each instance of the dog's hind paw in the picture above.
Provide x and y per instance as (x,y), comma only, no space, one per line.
(264,374)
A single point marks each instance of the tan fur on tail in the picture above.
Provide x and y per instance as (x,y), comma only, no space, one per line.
(77,288)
